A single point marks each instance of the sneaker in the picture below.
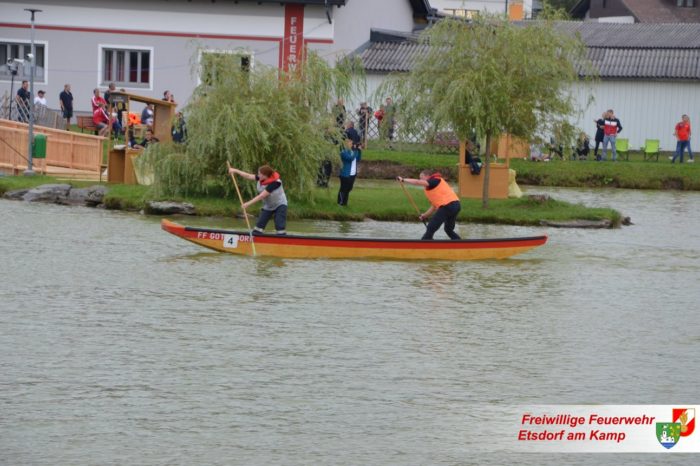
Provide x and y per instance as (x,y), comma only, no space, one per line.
(670,157)
(691,160)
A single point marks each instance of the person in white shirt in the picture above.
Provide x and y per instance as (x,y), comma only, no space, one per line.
(40,99)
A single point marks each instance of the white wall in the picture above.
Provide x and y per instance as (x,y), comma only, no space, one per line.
(174,30)
(492,6)
(354,21)
(647,110)
(73,31)
(195,17)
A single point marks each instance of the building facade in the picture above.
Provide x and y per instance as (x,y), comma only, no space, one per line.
(149,46)
(637,11)
(649,74)
(517,9)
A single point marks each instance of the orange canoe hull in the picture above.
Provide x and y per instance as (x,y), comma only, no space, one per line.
(311,247)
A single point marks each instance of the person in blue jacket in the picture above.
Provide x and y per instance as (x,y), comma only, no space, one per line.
(350,157)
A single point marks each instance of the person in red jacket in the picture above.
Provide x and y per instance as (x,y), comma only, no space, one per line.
(97,100)
(101,119)
(682,133)
(443,202)
(611,127)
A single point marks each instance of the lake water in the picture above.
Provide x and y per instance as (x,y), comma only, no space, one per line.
(121,344)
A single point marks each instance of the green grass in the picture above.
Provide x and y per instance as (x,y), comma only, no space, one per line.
(413,159)
(635,174)
(375,200)
(386,201)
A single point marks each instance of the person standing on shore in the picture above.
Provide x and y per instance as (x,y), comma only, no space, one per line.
(340,111)
(365,114)
(443,202)
(350,156)
(599,133)
(66,100)
(612,127)
(22,98)
(682,133)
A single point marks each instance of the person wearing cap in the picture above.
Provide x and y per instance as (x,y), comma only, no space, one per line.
(40,99)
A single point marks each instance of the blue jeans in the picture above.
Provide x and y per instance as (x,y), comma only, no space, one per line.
(611,138)
(681,146)
(280,214)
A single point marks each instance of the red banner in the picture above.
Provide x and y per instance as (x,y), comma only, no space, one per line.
(292,49)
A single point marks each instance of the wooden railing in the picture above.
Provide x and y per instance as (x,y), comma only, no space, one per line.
(64,149)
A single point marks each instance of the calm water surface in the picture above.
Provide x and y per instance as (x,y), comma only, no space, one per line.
(120,344)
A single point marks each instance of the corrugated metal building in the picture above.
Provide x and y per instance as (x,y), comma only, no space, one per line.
(650,73)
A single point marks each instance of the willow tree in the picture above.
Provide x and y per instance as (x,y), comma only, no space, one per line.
(250,117)
(491,76)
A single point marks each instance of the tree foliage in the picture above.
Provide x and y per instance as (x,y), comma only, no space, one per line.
(491,76)
(251,117)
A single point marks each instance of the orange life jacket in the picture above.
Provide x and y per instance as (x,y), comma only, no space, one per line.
(271,179)
(441,194)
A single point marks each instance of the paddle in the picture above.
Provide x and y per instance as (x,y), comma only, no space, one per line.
(245,214)
(413,203)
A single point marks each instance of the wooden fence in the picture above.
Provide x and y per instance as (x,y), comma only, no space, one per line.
(66,150)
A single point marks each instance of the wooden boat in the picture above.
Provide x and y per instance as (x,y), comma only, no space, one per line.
(311,247)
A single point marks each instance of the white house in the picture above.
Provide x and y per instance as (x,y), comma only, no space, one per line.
(471,8)
(649,74)
(149,46)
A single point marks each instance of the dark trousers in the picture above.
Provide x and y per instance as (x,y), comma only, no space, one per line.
(280,215)
(346,184)
(324,173)
(597,145)
(446,214)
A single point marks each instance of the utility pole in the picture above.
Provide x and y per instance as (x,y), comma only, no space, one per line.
(32,57)
(12,66)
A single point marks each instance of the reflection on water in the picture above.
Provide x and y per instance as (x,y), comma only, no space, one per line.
(122,344)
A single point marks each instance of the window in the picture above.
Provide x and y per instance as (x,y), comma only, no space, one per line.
(20,50)
(214,63)
(686,3)
(126,67)
(462,12)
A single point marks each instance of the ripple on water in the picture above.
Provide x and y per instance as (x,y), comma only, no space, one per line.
(122,344)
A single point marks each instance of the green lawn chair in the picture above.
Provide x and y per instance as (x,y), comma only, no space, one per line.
(623,148)
(651,149)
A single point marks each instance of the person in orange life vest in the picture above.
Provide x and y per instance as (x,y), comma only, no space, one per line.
(443,202)
(271,193)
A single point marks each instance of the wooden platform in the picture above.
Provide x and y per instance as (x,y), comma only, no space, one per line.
(57,172)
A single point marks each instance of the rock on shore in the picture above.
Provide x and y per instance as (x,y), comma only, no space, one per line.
(63,194)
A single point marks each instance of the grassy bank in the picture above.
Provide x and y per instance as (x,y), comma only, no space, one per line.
(632,174)
(373,200)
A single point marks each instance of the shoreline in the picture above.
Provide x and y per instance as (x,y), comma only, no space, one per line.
(374,200)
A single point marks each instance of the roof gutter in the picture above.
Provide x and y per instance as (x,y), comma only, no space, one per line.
(328,12)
